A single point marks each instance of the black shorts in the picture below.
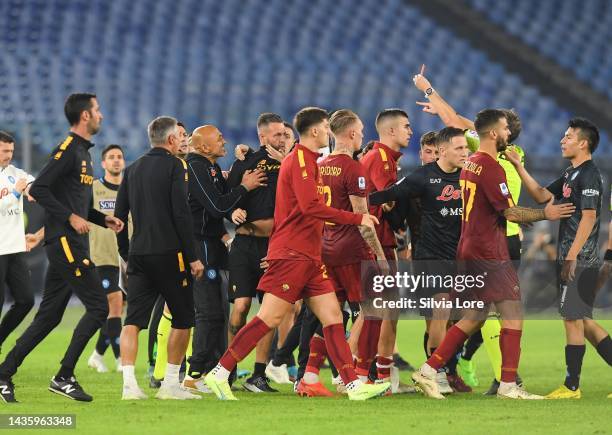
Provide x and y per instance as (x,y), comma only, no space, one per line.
(577,297)
(244,271)
(109,277)
(433,274)
(153,275)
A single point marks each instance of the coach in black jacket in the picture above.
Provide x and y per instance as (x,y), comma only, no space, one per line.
(211,201)
(154,190)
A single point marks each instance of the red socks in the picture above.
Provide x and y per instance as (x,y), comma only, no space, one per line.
(318,353)
(244,342)
(510,345)
(339,352)
(454,338)
(383,367)
(367,345)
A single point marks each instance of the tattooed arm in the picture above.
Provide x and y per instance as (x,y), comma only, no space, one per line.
(551,212)
(360,205)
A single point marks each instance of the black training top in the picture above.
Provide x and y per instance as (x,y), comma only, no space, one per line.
(439,195)
(210,198)
(154,190)
(583,187)
(63,187)
(258,203)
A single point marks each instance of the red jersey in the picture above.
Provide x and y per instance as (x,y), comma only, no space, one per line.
(300,210)
(381,172)
(485,196)
(342,176)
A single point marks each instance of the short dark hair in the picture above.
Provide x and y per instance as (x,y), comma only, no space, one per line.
(307,117)
(76,104)
(428,138)
(486,119)
(514,124)
(268,118)
(389,114)
(180,124)
(588,131)
(447,134)
(341,120)
(110,147)
(5,137)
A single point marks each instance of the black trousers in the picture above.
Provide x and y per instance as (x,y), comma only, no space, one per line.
(211,307)
(70,271)
(15,273)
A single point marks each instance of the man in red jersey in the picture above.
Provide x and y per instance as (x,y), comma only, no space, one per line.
(294,256)
(345,247)
(487,204)
(394,132)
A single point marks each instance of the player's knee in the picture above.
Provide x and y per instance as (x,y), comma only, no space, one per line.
(242,307)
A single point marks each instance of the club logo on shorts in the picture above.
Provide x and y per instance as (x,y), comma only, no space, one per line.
(285,287)
(211,273)
(234,288)
(85,261)
(105,283)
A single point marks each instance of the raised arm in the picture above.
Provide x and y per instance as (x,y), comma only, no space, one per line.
(540,194)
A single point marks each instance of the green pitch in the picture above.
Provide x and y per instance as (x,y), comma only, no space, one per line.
(542,368)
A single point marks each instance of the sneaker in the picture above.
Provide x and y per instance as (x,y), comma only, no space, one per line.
(293,372)
(397,386)
(222,389)
(312,390)
(278,374)
(443,385)
(369,391)
(174,392)
(339,383)
(69,388)
(513,391)
(564,393)
(119,366)
(426,379)
(401,363)
(457,384)
(7,391)
(196,385)
(258,384)
(96,361)
(465,369)
(155,383)
(133,392)
(492,391)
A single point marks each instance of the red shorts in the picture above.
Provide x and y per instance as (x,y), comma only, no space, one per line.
(292,280)
(499,279)
(347,280)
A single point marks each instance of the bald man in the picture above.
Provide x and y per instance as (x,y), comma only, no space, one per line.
(211,201)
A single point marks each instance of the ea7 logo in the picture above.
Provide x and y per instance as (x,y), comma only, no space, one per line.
(590,192)
(435,180)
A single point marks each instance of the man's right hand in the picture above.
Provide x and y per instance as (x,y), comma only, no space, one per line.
(254,179)
(240,151)
(80,225)
(420,81)
(554,212)
(21,185)
(197,269)
(513,157)
(367,220)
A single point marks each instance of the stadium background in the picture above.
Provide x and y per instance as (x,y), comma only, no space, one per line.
(224,62)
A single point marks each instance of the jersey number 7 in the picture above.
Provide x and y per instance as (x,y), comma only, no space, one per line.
(468,190)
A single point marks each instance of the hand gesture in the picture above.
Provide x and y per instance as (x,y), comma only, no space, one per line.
(513,157)
(367,220)
(254,179)
(420,81)
(275,154)
(21,185)
(427,107)
(554,212)
(240,151)
(114,223)
(239,216)
(79,224)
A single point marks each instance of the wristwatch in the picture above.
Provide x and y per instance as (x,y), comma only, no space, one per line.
(428,92)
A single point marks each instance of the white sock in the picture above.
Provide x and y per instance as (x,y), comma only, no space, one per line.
(428,370)
(97,355)
(220,372)
(129,378)
(311,378)
(172,374)
(506,385)
(363,378)
(352,386)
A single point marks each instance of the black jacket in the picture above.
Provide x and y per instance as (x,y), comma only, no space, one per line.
(210,198)
(63,187)
(154,190)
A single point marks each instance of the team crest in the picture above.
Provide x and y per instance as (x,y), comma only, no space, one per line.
(213,172)
(285,287)
(574,175)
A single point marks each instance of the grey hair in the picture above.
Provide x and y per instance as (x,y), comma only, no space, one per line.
(160,128)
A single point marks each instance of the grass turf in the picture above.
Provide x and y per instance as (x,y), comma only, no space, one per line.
(542,368)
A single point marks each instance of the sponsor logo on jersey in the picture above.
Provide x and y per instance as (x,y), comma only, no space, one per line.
(4,192)
(567,190)
(361,182)
(590,192)
(504,189)
(457,211)
(449,193)
(435,180)
(107,204)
